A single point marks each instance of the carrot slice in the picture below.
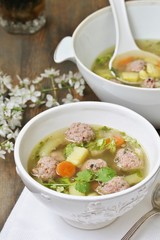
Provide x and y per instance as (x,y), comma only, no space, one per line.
(66,169)
(119,140)
(125,61)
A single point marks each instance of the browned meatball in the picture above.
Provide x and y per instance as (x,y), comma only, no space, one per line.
(94,164)
(126,160)
(79,133)
(135,66)
(45,168)
(116,184)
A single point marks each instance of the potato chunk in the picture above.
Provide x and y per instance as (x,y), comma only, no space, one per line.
(130,76)
(78,156)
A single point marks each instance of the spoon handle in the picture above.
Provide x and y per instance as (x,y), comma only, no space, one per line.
(134,228)
(123,31)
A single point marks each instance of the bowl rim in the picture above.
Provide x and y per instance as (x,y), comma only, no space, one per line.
(43,190)
(96,14)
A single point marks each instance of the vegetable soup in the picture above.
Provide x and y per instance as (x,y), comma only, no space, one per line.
(132,68)
(88,160)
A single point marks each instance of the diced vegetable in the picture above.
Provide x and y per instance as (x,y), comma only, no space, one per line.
(119,140)
(130,76)
(104,73)
(78,155)
(125,61)
(153,70)
(73,191)
(143,74)
(66,169)
(133,179)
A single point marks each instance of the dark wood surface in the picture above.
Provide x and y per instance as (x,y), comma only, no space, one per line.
(28,56)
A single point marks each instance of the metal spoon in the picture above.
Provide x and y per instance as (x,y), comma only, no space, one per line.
(124,39)
(155,210)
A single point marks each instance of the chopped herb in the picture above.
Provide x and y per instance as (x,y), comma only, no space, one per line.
(61,185)
(64,180)
(105,128)
(105,174)
(83,187)
(85,175)
(83,180)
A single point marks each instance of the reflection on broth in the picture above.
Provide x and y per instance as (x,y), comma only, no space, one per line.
(88,160)
(131,67)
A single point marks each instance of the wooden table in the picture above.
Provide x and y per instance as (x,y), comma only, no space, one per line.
(28,56)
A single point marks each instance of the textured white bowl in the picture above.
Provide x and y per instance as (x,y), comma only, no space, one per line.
(88,212)
(97,33)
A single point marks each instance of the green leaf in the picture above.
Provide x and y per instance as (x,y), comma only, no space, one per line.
(105,174)
(83,187)
(64,180)
(84,176)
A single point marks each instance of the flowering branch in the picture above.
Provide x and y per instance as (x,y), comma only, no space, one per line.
(15,98)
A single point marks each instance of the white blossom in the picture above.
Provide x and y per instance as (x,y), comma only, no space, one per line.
(24,81)
(37,80)
(9,146)
(50,72)
(4,129)
(13,134)
(15,98)
(69,98)
(51,102)
(2,153)
(5,83)
(34,95)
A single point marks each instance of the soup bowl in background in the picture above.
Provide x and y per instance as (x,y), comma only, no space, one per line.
(97,33)
(88,212)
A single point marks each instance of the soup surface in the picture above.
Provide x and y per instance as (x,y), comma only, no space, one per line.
(88,160)
(136,70)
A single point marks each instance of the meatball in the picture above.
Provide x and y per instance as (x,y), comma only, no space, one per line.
(116,184)
(149,83)
(45,169)
(135,66)
(127,160)
(94,164)
(79,133)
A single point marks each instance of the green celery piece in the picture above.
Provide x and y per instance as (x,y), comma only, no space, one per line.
(68,149)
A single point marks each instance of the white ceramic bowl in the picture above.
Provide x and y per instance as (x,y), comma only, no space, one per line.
(97,33)
(88,212)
